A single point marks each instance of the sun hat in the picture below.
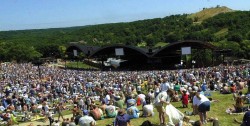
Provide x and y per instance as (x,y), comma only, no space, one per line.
(85,112)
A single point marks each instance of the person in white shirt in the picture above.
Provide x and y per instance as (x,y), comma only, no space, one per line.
(161,99)
(142,97)
(202,103)
(86,120)
(151,95)
(107,99)
(57,123)
(81,103)
(148,109)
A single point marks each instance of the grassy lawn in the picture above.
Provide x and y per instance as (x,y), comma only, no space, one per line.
(217,110)
(80,65)
(160,44)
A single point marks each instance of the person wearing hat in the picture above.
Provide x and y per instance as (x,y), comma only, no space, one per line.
(122,119)
(130,101)
(86,120)
(133,111)
(184,98)
(203,104)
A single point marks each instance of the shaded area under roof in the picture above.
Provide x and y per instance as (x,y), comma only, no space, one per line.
(141,57)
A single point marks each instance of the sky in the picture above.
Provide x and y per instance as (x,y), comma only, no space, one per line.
(40,14)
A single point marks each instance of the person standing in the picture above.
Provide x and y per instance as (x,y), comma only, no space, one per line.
(75,110)
(184,98)
(81,103)
(161,99)
(203,104)
(59,109)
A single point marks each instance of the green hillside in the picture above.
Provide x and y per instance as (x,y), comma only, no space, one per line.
(222,26)
(208,12)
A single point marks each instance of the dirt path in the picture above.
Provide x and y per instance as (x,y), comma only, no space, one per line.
(39,122)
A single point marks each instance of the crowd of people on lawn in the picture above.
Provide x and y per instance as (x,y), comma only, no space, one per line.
(28,92)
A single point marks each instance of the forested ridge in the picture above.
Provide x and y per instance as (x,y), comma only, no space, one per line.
(226,30)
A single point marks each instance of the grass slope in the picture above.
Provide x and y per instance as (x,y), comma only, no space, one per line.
(208,12)
(217,110)
(160,44)
(222,32)
(79,65)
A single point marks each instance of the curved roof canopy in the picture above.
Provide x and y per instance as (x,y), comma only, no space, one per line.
(87,50)
(172,48)
(127,50)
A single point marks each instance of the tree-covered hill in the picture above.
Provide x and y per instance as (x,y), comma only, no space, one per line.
(219,25)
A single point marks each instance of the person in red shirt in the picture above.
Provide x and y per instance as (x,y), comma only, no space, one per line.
(138,102)
(184,98)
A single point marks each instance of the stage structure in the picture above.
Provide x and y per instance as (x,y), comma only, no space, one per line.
(134,58)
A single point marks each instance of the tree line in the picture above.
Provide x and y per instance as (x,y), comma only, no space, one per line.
(226,30)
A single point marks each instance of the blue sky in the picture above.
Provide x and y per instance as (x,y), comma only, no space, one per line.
(37,14)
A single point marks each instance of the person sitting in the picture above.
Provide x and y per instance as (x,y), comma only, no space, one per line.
(175,97)
(7,116)
(110,110)
(141,98)
(119,102)
(72,123)
(122,119)
(65,122)
(240,94)
(233,88)
(74,110)
(224,89)
(246,119)
(148,109)
(86,120)
(204,87)
(95,113)
(248,97)
(133,111)
(103,107)
(130,101)
(239,105)
(57,123)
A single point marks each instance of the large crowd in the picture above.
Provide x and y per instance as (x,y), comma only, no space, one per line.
(28,92)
